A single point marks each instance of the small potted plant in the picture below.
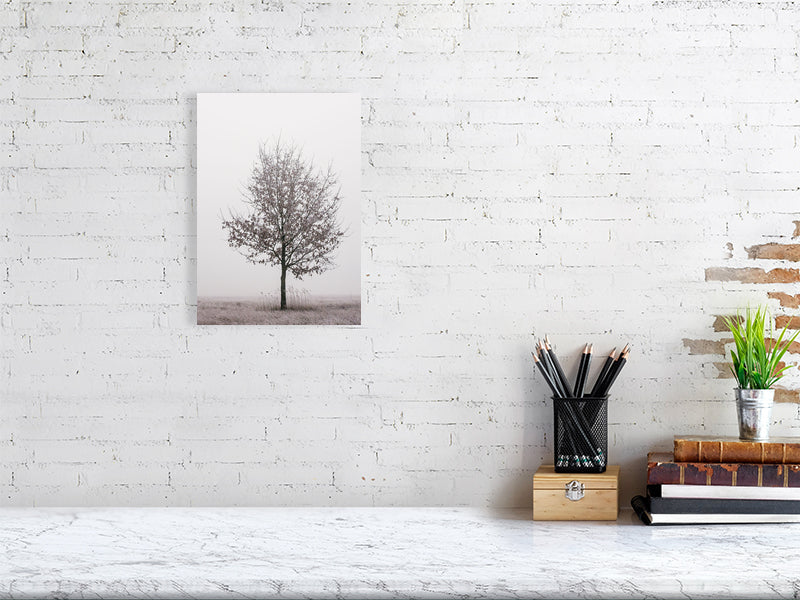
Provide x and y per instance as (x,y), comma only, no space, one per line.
(755,366)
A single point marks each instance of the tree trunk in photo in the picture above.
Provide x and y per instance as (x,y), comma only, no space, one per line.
(283,288)
(283,273)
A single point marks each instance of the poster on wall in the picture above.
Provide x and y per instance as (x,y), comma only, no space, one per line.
(278,209)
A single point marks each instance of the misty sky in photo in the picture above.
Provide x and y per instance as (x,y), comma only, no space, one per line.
(230,128)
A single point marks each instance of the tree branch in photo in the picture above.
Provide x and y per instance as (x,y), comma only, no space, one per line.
(293,216)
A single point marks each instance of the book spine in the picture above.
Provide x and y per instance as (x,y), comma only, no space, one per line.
(732,492)
(718,451)
(730,474)
(721,506)
(639,505)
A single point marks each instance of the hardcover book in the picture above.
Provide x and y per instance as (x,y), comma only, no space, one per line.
(662,468)
(741,492)
(721,506)
(733,450)
(640,505)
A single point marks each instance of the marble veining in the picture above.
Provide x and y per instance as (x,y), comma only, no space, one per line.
(383,553)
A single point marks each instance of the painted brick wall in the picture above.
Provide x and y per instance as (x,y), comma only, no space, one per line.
(606,172)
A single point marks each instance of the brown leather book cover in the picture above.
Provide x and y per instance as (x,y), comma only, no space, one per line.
(663,469)
(690,448)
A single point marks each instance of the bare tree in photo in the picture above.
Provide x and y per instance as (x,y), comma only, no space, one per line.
(293,218)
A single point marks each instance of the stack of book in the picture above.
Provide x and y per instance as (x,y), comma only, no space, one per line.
(722,480)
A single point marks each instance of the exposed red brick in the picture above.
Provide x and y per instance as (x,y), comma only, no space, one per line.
(796,233)
(794,347)
(723,370)
(719,322)
(705,346)
(786,300)
(788,321)
(784,395)
(775,252)
(752,275)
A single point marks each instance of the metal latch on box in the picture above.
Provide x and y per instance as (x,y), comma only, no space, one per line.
(573,490)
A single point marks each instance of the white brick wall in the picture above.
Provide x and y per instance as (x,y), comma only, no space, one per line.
(565,167)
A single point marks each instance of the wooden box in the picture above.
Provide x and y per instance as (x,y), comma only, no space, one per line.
(575,496)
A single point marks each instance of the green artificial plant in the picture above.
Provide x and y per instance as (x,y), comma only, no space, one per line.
(755,361)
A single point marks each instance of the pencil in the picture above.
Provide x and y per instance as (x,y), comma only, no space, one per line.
(583,370)
(559,370)
(545,374)
(547,359)
(601,376)
(613,370)
(579,373)
(614,373)
(540,353)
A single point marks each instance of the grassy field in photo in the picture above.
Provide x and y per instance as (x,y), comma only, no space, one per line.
(301,310)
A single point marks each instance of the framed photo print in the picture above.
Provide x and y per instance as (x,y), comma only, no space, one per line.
(278,209)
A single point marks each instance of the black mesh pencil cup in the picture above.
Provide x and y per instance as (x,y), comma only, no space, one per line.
(581,434)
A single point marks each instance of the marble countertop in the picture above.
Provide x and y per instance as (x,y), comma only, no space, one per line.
(383,553)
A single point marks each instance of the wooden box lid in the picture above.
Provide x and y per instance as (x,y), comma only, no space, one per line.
(547,479)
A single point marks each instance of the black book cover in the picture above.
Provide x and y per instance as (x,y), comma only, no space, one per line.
(707,506)
(639,504)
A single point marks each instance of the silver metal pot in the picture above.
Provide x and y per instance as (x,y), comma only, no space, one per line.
(754,408)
